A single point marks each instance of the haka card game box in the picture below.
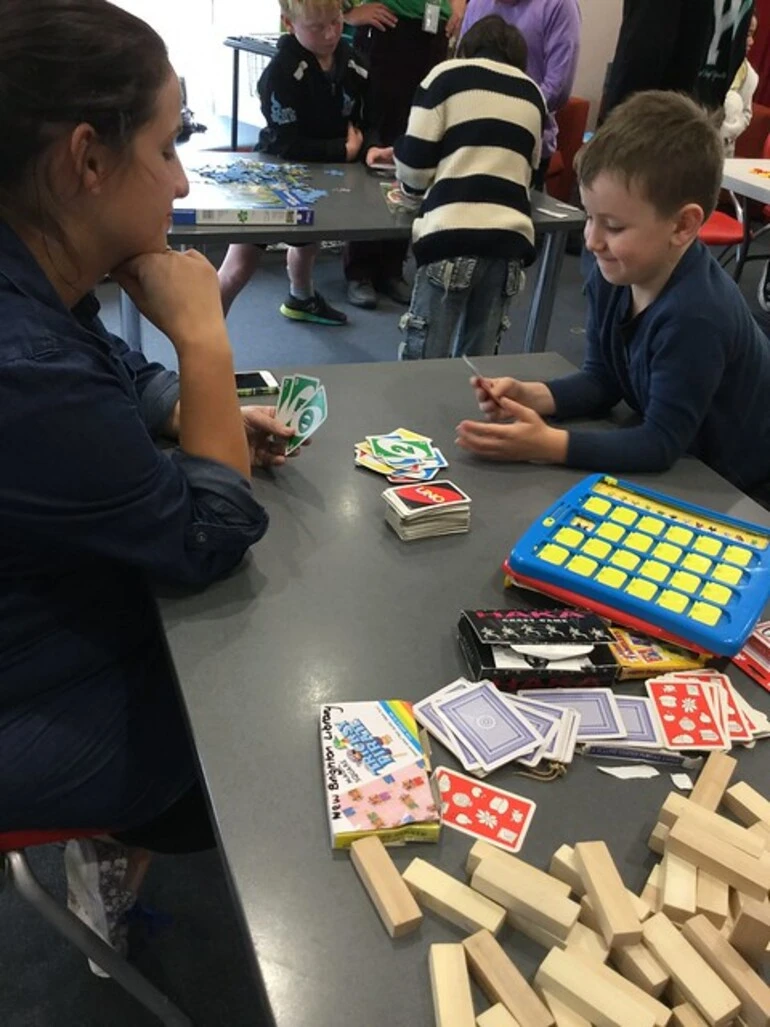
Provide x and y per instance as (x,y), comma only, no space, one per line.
(532,648)
(376,776)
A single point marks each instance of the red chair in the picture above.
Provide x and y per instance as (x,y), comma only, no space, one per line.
(560,177)
(16,872)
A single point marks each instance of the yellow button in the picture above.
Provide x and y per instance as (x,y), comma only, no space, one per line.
(569,537)
(737,554)
(641,543)
(596,547)
(624,559)
(716,593)
(553,554)
(680,535)
(687,582)
(613,532)
(667,552)
(623,515)
(705,613)
(642,589)
(611,577)
(653,525)
(725,572)
(696,563)
(582,565)
(597,505)
(708,545)
(656,571)
(673,601)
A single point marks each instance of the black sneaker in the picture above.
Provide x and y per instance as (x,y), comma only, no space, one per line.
(763,289)
(315,310)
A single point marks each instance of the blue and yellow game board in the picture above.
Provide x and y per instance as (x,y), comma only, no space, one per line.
(649,561)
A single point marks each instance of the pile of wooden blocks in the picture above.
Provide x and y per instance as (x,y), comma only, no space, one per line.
(685,952)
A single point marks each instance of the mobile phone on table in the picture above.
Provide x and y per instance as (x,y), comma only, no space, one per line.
(255,383)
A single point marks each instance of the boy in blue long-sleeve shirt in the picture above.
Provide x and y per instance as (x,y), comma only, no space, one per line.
(668,331)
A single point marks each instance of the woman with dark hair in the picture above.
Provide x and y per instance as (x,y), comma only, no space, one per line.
(91,511)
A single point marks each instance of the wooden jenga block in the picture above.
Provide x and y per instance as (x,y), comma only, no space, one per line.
(635,994)
(750,931)
(744,872)
(712,898)
(451,899)
(580,986)
(685,1015)
(761,830)
(713,780)
(677,806)
(451,987)
(496,1016)
(703,988)
(746,804)
(679,885)
(638,965)
(651,891)
(523,892)
(752,991)
(501,981)
(657,839)
(564,866)
(618,922)
(562,1014)
(392,899)
(580,938)
(483,850)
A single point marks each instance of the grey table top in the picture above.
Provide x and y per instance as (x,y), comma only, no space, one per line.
(354,209)
(332,606)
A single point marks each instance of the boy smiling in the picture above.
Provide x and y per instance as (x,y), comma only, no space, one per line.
(668,331)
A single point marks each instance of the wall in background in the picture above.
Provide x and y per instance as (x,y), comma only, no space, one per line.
(601,21)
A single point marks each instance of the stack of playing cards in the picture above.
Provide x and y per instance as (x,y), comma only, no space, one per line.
(486,729)
(302,407)
(754,658)
(401,455)
(423,511)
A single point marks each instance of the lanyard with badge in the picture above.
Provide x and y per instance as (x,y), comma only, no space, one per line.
(430,18)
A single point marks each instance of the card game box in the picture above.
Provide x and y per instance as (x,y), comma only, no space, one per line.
(532,648)
(754,658)
(640,656)
(375,773)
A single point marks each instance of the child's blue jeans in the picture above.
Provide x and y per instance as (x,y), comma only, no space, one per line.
(459,306)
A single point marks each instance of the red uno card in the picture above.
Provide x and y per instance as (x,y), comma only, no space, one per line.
(483,811)
(686,714)
(411,499)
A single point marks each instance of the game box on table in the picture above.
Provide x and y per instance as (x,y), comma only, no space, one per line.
(376,776)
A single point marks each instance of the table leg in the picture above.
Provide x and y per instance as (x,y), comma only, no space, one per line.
(130,322)
(234,110)
(541,308)
(742,251)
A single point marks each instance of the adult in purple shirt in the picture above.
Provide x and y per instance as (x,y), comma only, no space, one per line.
(551,29)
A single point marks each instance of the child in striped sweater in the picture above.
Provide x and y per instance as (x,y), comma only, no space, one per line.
(472,143)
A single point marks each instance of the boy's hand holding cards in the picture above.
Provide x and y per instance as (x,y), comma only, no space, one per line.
(426,509)
(302,407)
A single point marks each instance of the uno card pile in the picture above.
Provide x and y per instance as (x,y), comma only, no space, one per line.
(401,455)
(483,811)
(486,729)
(424,510)
(301,406)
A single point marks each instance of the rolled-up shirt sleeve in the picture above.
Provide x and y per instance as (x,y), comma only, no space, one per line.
(79,469)
(156,386)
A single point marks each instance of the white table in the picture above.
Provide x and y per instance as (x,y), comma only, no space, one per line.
(738,178)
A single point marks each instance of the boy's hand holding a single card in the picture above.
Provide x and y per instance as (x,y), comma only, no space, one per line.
(491,394)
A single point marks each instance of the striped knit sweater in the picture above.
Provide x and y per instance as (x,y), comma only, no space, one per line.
(471,144)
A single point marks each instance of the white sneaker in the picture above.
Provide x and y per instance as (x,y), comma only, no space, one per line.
(95,871)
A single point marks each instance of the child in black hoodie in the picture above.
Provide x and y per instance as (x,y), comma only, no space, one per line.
(313,98)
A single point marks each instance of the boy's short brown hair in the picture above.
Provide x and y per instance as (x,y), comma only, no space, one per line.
(291,9)
(664,144)
(494,38)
